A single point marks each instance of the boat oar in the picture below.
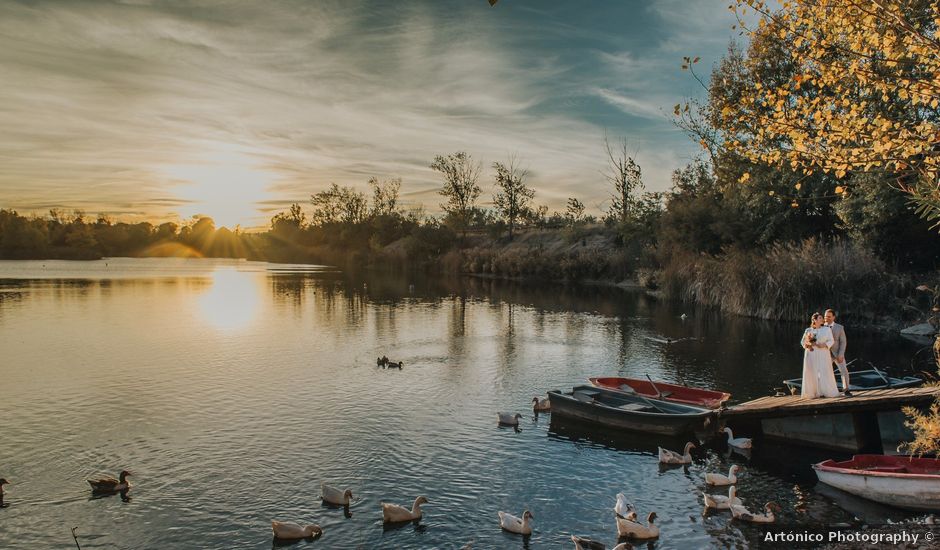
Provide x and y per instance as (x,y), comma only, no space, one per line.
(659,394)
(878,372)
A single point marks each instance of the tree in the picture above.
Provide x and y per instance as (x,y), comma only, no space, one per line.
(626,177)
(384,196)
(287,225)
(574,214)
(460,187)
(339,205)
(862,92)
(512,197)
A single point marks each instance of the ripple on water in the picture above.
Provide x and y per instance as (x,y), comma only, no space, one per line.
(226,429)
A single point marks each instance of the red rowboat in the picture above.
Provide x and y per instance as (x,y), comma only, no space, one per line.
(662,390)
(902,481)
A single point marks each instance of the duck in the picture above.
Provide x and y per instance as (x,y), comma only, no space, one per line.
(108,484)
(541,405)
(394,365)
(636,530)
(742,513)
(671,457)
(582,543)
(737,442)
(719,480)
(393,513)
(286,530)
(509,419)
(333,495)
(3,481)
(513,524)
(721,502)
(623,508)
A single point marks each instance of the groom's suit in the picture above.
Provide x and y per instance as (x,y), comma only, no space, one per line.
(838,350)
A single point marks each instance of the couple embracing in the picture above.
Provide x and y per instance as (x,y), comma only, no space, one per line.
(824,342)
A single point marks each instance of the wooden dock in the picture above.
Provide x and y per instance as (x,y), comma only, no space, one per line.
(868,400)
(868,421)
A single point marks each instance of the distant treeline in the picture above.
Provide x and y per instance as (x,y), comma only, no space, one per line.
(767,248)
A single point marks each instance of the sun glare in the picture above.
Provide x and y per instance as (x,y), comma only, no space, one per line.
(227,186)
(233,300)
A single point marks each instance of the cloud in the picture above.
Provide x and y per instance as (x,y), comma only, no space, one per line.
(107,104)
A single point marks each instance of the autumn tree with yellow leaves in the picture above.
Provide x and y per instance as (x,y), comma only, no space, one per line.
(858,91)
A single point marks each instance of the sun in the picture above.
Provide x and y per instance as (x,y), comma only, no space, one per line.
(227,185)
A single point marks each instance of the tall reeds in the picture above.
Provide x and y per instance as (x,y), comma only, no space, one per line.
(787,281)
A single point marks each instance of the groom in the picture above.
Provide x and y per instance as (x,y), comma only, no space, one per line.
(838,349)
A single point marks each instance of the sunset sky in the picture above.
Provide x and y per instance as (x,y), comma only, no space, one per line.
(162,110)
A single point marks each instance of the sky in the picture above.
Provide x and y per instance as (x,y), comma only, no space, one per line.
(162,110)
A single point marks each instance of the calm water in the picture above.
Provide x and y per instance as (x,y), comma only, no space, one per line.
(231,389)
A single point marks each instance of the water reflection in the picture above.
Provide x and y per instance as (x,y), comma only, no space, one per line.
(232,301)
(214,371)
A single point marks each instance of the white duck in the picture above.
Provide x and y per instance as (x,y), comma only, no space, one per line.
(285,530)
(671,457)
(721,502)
(541,405)
(334,495)
(719,480)
(513,524)
(737,442)
(581,543)
(623,508)
(742,513)
(393,513)
(509,419)
(636,530)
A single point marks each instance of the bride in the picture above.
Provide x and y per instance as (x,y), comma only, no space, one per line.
(818,378)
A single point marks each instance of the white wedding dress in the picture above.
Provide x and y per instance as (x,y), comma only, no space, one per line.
(818,378)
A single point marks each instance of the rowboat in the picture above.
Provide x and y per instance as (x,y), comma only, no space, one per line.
(902,481)
(616,409)
(872,379)
(709,399)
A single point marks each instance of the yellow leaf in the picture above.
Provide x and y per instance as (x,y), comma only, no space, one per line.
(744,177)
(771,193)
(797,186)
(840,189)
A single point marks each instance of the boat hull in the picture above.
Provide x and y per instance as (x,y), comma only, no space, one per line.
(604,410)
(864,380)
(696,397)
(894,481)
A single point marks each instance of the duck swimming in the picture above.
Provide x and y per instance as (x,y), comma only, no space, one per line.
(108,484)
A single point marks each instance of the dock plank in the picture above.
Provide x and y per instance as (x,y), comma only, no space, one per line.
(860,401)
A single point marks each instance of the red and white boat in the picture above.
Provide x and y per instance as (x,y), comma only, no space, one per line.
(902,481)
(709,399)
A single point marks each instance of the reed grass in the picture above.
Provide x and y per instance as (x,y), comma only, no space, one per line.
(788,281)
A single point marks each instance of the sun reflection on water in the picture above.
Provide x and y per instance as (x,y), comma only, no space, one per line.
(232,302)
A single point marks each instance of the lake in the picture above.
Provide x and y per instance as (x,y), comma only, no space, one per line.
(231,389)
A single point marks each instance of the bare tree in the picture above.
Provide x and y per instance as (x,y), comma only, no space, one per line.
(512,196)
(460,184)
(384,196)
(627,178)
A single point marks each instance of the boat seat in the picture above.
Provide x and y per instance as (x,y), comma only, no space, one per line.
(665,394)
(584,396)
(627,389)
(633,407)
